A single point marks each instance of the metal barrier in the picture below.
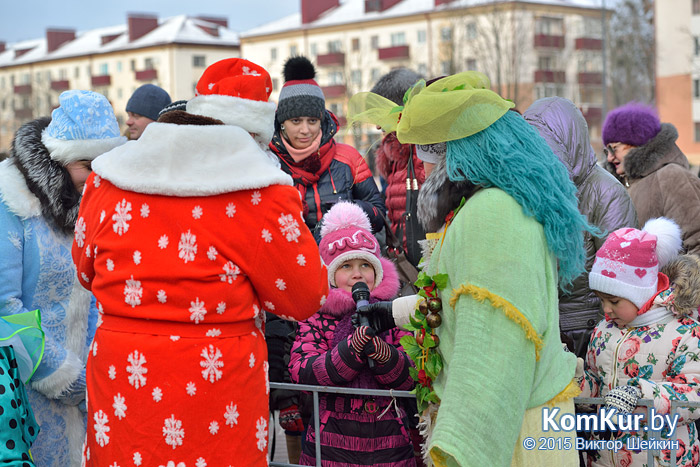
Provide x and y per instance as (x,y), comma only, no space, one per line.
(648,403)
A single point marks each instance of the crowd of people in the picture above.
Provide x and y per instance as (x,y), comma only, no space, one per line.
(153,285)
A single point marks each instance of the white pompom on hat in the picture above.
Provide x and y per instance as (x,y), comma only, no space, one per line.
(628,263)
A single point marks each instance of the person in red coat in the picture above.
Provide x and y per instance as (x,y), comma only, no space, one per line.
(186,237)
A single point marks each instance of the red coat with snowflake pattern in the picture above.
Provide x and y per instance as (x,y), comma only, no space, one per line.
(183,246)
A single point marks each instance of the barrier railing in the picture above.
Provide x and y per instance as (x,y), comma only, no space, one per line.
(315,390)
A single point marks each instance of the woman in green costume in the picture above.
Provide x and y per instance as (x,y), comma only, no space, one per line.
(505,232)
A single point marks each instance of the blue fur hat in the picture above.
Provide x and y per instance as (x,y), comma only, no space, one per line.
(81,128)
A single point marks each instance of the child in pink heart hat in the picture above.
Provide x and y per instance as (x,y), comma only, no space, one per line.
(647,345)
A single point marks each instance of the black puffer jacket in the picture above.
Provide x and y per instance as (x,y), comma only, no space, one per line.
(348,177)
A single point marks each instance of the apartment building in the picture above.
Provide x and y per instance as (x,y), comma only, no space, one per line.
(529,49)
(171,53)
(677,24)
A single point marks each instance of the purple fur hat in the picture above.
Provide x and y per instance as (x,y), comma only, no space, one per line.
(633,123)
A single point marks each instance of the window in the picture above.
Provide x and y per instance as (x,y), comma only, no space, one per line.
(544,63)
(335,77)
(549,90)
(275,83)
(293,51)
(76,73)
(38,77)
(591,27)
(398,38)
(374,41)
(446,67)
(132,65)
(696,88)
(148,63)
(375,75)
(471,31)
(446,34)
(549,26)
(471,64)
(120,93)
(273,53)
(356,77)
(104,69)
(336,109)
(422,69)
(421,36)
(2,82)
(314,49)
(334,47)
(697,45)
(697,131)
(119,67)
(48,75)
(199,61)
(696,7)
(356,43)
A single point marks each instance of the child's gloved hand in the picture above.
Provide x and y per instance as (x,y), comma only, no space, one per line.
(290,419)
(379,315)
(378,350)
(623,398)
(360,337)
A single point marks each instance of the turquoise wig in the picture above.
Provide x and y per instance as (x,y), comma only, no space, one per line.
(512,156)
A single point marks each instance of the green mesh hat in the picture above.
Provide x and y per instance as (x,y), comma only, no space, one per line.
(450,108)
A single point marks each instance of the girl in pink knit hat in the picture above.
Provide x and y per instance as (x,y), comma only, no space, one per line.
(647,345)
(329,351)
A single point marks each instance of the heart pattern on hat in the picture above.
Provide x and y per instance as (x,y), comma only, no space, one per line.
(607,273)
(640,272)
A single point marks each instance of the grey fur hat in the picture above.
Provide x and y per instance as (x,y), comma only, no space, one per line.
(394,84)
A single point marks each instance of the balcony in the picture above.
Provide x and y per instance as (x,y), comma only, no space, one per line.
(60,85)
(398,52)
(331,59)
(550,76)
(23,89)
(147,75)
(546,40)
(103,80)
(590,78)
(335,90)
(24,114)
(592,114)
(588,43)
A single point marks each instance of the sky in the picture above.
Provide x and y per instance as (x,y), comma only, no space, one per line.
(28,19)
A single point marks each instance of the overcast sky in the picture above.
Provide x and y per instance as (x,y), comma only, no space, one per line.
(28,19)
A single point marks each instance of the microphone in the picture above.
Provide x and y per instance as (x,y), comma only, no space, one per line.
(360,295)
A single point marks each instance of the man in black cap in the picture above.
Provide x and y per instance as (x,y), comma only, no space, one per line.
(143,108)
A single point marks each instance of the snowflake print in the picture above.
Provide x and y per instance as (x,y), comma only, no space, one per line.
(112,372)
(266,368)
(173,432)
(133,292)
(101,428)
(211,363)
(214,332)
(280,284)
(15,240)
(231,414)
(157,394)
(220,308)
(87,251)
(261,434)
(301,261)
(231,272)
(211,253)
(110,265)
(163,242)
(197,212)
(230,209)
(266,235)
(259,317)
(121,217)
(137,459)
(248,71)
(323,300)
(103,214)
(172,464)
(255,198)
(288,318)
(136,369)
(201,462)
(137,257)
(191,388)
(94,348)
(214,427)
(197,311)
(162,296)
(80,228)
(289,227)
(119,406)
(251,360)
(187,246)
(145,210)
(269,306)
(96,181)
(84,277)
(174,338)
(114,464)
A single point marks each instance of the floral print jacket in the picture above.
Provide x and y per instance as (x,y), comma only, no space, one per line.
(663,361)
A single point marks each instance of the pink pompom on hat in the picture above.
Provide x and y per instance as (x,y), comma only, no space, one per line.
(627,265)
(346,234)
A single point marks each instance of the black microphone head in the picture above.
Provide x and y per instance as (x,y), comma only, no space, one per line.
(360,291)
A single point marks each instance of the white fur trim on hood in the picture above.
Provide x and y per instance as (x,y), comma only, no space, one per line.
(66,151)
(253,116)
(190,160)
(14,192)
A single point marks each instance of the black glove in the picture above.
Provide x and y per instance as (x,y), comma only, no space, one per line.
(378,315)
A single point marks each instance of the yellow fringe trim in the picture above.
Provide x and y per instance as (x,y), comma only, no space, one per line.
(569,392)
(479,294)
